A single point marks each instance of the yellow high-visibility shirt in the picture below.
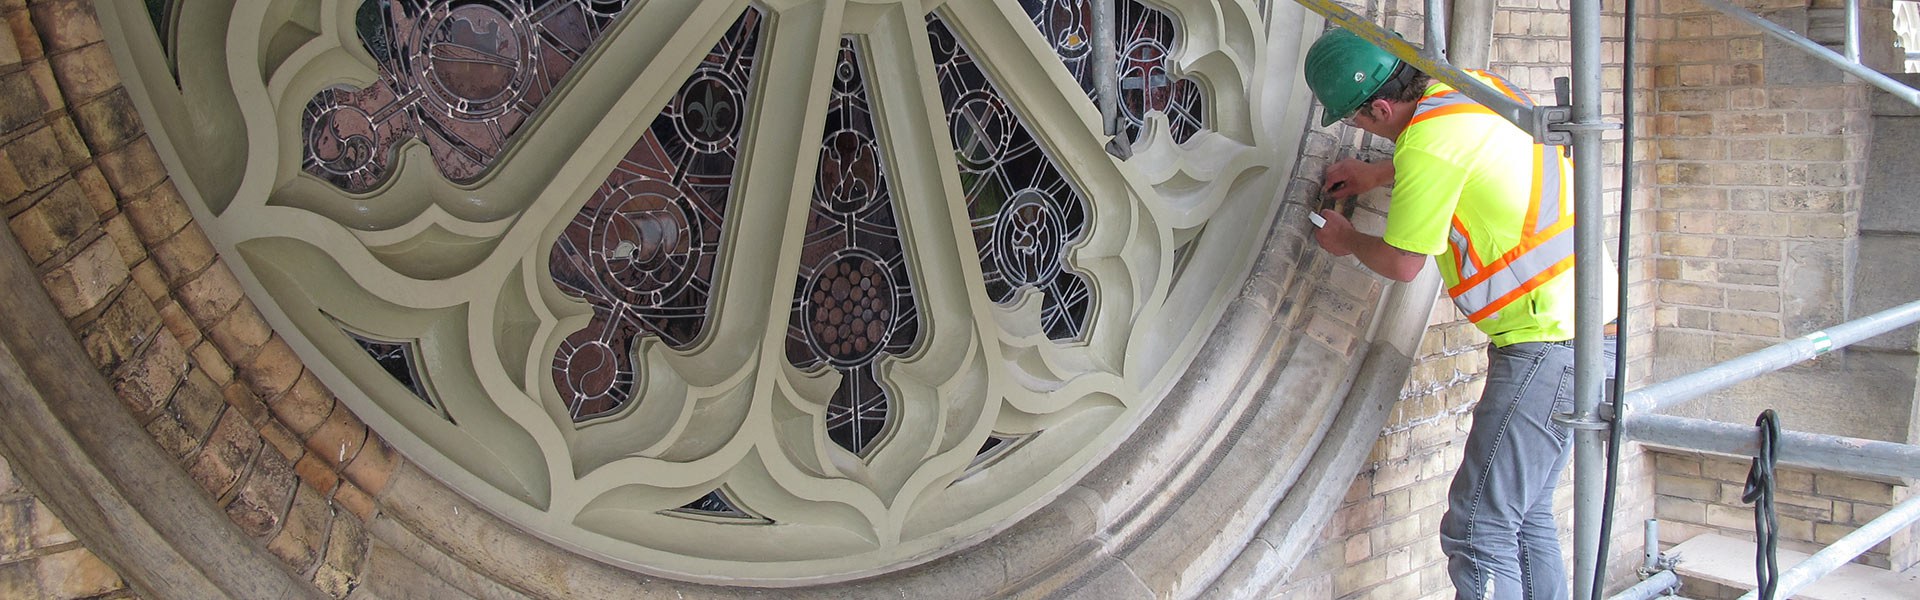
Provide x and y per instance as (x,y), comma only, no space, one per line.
(1476,169)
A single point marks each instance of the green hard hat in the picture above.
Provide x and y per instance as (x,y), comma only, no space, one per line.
(1344,70)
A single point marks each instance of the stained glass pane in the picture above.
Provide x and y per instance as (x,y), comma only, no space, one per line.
(643,248)
(397,358)
(1144,38)
(461,75)
(161,13)
(854,300)
(992,450)
(1024,212)
(717,504)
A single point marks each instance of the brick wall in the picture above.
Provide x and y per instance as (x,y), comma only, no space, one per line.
(85,195)
(39,558)
(1698,493)
(1383,542)
(1760,164)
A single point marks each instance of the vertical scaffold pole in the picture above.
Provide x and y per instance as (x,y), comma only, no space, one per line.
(1590,316)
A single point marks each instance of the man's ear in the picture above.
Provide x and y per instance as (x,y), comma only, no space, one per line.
(1383,110)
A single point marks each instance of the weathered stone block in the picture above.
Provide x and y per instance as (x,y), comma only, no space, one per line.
(20,101)
(66,24)
(146,382)
(242,333)
(1691,488)
(346,554)
(209,296)
(132,169)
(304,532)
(60,218)
(87,279)
(1842,487)
(1813,282)
(196,405)
(355,501)
(231,447)
(316,473)
(37,158)
(273,369)
(172,439)
(373,467)
(109,122)
(184,254)
(85,72)
(263,500)
(339,438)
(304,406)
(75,573)
(1888,202)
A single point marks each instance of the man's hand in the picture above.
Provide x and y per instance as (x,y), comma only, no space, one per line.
(1335,236)
(1352,177)
(1339,238)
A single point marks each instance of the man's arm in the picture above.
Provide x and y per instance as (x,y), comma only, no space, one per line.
(1340,238)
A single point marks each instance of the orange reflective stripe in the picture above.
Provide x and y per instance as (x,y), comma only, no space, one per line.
(1526,245)
(1522,291)
(1545,248)
(1450,109)
(1467,241)
(1501,83)
(1533,200)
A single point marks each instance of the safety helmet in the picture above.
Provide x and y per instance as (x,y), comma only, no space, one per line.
(1344,70)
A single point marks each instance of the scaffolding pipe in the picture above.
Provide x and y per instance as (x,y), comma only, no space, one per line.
(1521,115)
(1470,33)
(1872,77)
(1590,369)
(1660,584)
(1853,31)
(1650,546)
(1844,549)
(1853,456)
(1668,394)
(1436,33)
(1105,65)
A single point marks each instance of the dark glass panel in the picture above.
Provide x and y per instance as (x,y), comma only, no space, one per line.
(1024,212)
(854,299)
(397,358)
(461,75)
(1144,38)
(642,249)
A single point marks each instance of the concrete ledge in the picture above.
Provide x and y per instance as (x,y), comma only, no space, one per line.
(1729,562)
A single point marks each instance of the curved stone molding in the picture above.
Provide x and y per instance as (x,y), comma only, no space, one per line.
(1243,426)
(97,468)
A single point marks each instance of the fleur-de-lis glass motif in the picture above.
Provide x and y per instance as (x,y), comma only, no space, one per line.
(643,248)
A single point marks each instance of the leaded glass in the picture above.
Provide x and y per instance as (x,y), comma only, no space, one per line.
(720,275)
(397,359)
(460,75)
(854,301)
(717,504)
(1144,38)
(1024,213)
(641,251)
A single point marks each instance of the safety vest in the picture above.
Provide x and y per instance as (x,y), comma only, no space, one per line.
(1546,245)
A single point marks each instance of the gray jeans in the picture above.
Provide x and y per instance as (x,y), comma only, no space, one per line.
(1499,534)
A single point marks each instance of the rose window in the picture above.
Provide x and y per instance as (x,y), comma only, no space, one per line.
(761,292)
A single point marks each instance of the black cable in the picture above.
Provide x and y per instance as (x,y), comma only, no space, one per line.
(1759,493)
(1617,393)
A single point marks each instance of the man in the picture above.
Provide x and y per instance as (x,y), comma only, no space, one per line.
(1497,211)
